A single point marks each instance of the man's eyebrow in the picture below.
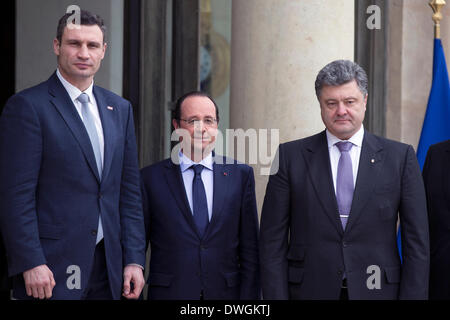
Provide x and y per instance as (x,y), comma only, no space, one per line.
(346,98)
(88,41)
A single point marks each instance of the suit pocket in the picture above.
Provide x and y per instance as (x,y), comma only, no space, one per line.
(295,275)
(159,280)
(232,278)
(393,274)
(49,231)
(386,212)
(52,242)
(296,255)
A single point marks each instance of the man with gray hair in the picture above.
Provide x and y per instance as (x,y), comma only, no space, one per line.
(329,219)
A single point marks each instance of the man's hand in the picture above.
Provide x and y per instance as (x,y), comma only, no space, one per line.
(39,282)
(133,274)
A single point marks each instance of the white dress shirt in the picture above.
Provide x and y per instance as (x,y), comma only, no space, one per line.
(207,176)
(74,93)
(335,154)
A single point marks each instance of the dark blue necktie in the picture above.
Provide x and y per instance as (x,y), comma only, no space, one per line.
(199,204)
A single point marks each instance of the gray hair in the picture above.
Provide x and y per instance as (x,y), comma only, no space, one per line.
(341,72)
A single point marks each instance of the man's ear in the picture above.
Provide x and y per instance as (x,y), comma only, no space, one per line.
(104,50)
(175,123)
(56,46)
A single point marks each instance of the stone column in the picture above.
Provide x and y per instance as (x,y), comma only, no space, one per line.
(278,47)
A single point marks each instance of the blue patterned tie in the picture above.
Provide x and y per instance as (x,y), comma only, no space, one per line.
(344,182)
(88,121)
(199,204)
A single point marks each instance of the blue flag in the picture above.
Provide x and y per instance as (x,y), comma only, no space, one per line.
(436,124)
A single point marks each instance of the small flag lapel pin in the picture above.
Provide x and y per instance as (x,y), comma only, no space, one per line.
(110,108)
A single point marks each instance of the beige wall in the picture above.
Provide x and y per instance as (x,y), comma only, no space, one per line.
(278,47)
(36,28)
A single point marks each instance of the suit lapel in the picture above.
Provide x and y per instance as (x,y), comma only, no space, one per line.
(175,182)
(222,176)
(106,117)
(62,102)
(370,164)
(317,158)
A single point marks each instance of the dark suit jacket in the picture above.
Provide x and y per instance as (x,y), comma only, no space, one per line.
(436,175)
(303,247)
(5,285)
(224,263)
(51,194)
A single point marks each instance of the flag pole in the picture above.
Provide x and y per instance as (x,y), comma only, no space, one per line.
(437,5)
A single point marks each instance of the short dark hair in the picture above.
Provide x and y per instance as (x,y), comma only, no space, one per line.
(86,19)
(341,72)
(176,114)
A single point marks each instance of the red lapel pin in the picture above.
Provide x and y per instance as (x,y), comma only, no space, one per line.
(225,174)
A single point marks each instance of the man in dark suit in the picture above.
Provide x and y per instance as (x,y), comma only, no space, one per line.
(5,285)
(328,224)
(436,175)
(201,215)
(70,201)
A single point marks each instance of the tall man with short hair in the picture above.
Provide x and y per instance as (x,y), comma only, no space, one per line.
(70,201)
(329,219)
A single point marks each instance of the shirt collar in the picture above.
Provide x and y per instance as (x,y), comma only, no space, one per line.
(356,139)
(73,91)
(186,163)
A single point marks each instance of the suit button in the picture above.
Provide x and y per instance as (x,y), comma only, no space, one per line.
(94,232)
(100,195)
(345,244)
(203,247)
(340,272)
